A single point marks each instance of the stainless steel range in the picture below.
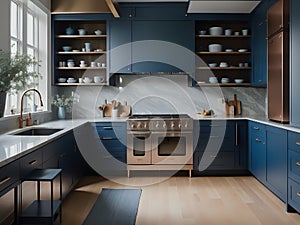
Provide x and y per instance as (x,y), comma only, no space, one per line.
(160,142)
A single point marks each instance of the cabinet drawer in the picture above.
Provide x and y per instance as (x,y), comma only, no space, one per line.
(294,194)
(294,165)
(113,145)
(9,174)
(111,131)
(30,162)
(294,141)
(257,128)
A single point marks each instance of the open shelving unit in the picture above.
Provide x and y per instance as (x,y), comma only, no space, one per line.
(234,58)
(97,54)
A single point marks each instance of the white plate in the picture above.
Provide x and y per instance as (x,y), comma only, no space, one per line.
(242,50)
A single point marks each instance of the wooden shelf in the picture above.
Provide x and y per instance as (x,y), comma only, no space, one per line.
(224,68)
(80,84)
(223,36)
(223,53)
(81,53)
(81,68)
(224,85)
(82,36)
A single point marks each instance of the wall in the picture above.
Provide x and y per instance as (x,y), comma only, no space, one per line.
(4,24)
(166,94)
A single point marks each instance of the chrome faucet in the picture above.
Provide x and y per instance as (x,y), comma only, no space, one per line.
(21,108)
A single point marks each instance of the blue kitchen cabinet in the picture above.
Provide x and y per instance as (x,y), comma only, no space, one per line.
(268,157)
(221,146)
(294,63)
(276,163)
(173,51)
(257,151)
(120,46)
(113,139)
(293,199)
(259,45)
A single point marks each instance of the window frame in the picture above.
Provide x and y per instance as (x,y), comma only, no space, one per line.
(41,49)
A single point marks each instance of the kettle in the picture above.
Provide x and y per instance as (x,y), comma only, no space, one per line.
(70,31)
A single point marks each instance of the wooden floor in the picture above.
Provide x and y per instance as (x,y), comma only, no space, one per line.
(189,201)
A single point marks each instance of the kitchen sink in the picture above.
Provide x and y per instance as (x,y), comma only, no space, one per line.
(37,131)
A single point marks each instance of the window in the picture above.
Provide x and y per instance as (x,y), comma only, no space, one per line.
(29,35)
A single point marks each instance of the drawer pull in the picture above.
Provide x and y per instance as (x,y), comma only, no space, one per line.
(298,194)
(107,128)
(257,140)
(298,143)
(32,162)
(5,180)
(298,163)
(256,128)
(107,138)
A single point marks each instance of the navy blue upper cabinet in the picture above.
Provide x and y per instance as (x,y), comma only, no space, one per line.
(294,69)
(259,45)
(162,46)
(120,46)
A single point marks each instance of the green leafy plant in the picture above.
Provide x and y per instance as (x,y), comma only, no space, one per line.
(16,72)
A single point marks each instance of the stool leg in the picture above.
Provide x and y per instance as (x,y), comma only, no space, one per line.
(52,222)
(38,190)
(60,193)
(16,208)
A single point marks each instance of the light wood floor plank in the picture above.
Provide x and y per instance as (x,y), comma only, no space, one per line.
(188,201)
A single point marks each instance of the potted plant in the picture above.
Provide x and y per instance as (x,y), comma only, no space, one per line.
(64,104)
(16,73)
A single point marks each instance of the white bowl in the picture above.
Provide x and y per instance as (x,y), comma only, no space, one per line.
(62,80)
(98,32)
(243,50)
(71,80)
(212,64)
(238,80)
(82,65)
(87,80)
(214,48)
(216,31)
(202,32)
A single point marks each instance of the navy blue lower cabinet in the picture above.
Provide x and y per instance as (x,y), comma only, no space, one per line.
(293,171)
(221,146)
(257,150)
(276,164)
(113,139)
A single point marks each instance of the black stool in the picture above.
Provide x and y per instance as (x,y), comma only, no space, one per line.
(43,211)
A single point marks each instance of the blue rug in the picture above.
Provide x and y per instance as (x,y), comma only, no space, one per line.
(115,207)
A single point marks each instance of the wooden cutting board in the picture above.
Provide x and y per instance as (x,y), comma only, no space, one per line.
(124,110)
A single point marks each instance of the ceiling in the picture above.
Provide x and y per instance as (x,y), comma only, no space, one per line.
(211,6)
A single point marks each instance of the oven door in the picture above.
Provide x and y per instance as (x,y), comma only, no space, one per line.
(138,147)
(172,148)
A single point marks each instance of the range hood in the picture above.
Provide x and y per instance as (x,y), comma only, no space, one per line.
(222,6)
(86,6)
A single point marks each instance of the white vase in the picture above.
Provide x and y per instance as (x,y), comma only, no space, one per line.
(61,114)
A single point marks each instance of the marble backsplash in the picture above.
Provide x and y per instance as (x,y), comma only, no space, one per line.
(165,94)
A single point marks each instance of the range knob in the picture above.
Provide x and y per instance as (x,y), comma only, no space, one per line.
(179,125)
(132,125)
(145,125)
(139,125)
(157,125)
(164,125)
(172,125)
(186,125)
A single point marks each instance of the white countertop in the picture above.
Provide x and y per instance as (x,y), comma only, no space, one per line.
(13,147)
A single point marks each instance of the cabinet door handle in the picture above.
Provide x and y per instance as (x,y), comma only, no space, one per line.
(5,180)
(32,162)
(298,163)
(298,143)
(236,135)
(257,140)
(106,138)
(298,194)
(256,128)
(107,128)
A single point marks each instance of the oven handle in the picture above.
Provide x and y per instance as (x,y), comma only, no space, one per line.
(173,133)
(139,133)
